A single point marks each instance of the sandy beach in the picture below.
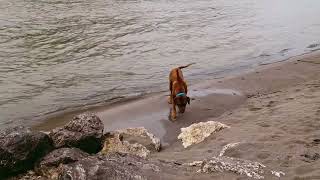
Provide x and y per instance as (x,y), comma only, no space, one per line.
(273,111)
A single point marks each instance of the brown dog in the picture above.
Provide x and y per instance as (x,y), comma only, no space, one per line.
(178,88)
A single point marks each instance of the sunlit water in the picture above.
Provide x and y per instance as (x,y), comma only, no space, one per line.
(57,55)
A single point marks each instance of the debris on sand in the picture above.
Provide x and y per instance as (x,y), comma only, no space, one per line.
(278,173)
(229,164)
(196,133)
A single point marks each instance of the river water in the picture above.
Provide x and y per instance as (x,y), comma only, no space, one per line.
(57,55)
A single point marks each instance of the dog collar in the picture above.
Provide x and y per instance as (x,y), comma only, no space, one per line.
(181,94)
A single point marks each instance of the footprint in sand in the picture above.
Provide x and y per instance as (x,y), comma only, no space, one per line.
(310,157)
(252,108)
(263,124)
(271,104)
(263,155)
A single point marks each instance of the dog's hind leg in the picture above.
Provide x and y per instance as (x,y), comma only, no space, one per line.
(170,97)
(173,112)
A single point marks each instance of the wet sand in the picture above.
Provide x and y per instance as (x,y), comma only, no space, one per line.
(273,111)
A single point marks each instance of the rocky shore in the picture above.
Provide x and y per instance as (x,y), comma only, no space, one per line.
(80,150)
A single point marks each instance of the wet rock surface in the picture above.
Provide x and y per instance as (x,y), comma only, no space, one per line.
(84,131)
(136,141)
(21,148)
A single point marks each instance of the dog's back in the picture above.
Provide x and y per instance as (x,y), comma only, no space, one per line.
(176,73)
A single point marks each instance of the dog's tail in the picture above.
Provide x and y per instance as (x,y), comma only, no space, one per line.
(181,67)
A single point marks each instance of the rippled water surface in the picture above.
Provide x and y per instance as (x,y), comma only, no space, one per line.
(56,54)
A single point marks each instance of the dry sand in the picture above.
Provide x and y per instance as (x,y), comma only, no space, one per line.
(273,111)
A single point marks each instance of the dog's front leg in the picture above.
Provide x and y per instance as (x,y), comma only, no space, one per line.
(174,111)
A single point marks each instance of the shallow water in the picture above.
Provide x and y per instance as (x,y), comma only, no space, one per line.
(56,55)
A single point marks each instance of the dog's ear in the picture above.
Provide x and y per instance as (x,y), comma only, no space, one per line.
(188,100)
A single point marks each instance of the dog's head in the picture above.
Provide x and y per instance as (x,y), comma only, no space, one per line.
(181,102)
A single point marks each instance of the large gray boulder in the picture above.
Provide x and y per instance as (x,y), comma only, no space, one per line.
(84,131)
(111,167)
(21,148)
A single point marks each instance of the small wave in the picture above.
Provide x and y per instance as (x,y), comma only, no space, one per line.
(311,46)
(283,51)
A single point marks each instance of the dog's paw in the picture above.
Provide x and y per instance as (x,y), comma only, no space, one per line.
(169,100)
(172,116)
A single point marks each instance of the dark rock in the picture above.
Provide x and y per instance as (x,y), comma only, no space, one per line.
(84,131)
(30,175)
(47,166)
(111,166)
(21,148)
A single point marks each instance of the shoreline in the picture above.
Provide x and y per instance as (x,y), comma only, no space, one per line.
(216,90)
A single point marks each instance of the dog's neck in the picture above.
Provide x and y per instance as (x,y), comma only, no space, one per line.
(181,94)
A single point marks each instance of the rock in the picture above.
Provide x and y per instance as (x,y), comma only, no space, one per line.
(228,164)
(84,131)
(228,146)
(142,136)
(112,166)
(21,148)
(196,133)
(49,164)
(114,143)
(30,175)
(136,141)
